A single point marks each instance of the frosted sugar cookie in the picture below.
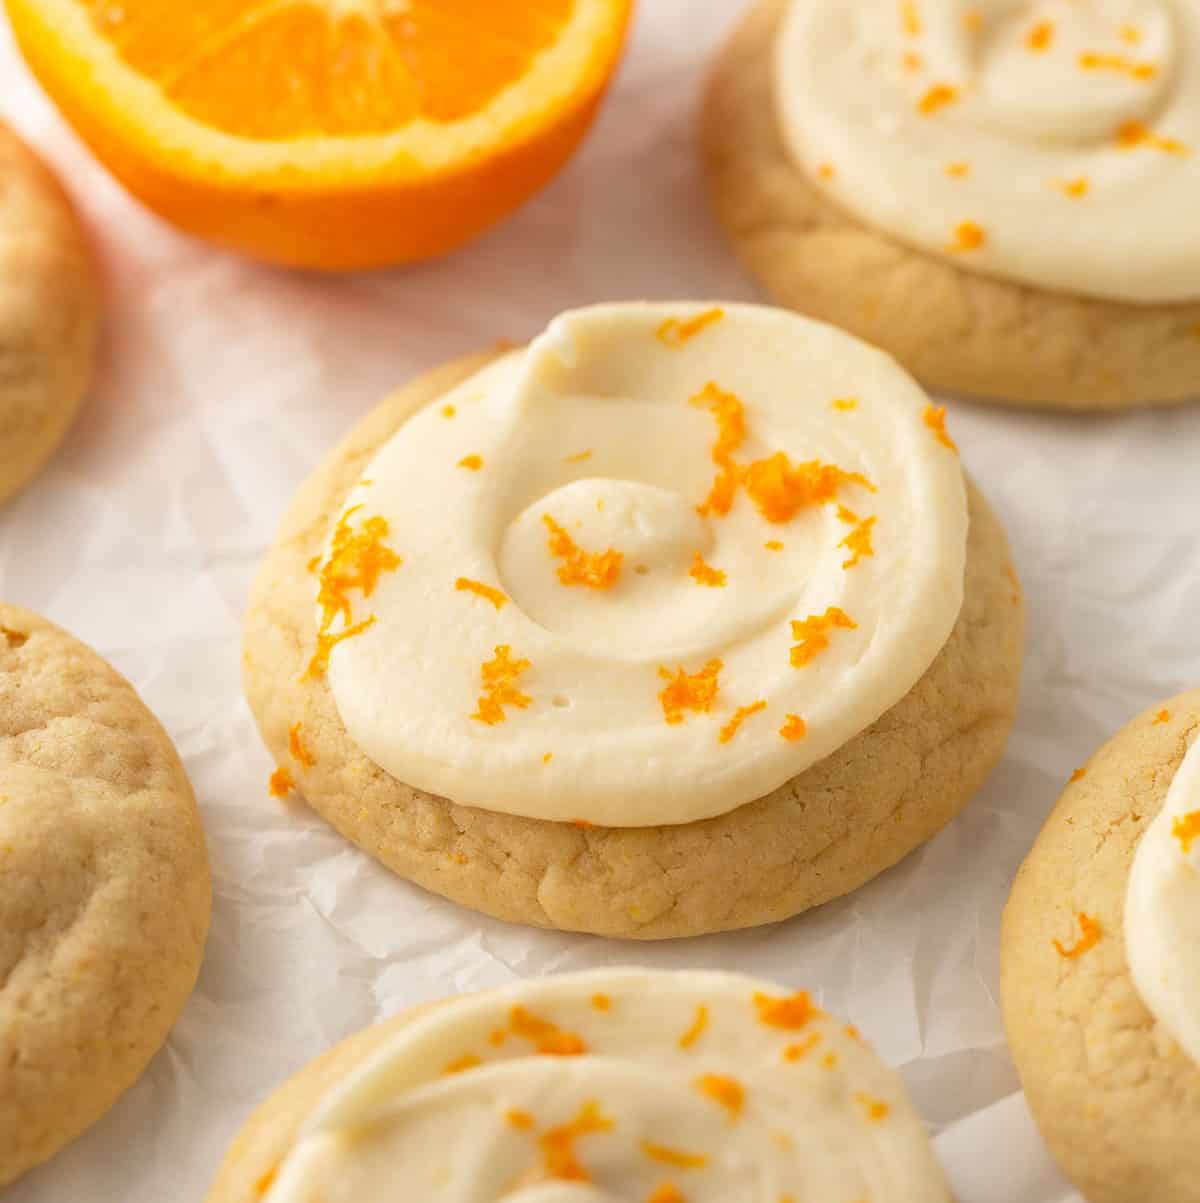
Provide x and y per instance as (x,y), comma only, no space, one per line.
(683,618)
(1101,964)
(49,313)
(662,1087)
(1001,194)
(104,888)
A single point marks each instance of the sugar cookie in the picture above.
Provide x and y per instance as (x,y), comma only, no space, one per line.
(585,587)
(104,888)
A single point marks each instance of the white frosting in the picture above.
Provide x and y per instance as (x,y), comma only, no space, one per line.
(830,1124)
(1029,123)
(1162,912)
(593,742)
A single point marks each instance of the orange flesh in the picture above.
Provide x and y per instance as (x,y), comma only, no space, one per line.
(220,61)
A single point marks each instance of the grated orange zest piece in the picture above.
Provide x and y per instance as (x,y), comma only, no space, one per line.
(471,462)
(666,1192)
(800,1050)
(740,715)
(1078,775)
(601,1002)
(812,634)
(730,415)
(679,1158)
(773,545)
(595,570)
(1040,37)
(1134,135)
(1163,716)
(558,1144)
(1090,936)
(462,1064)
(939,97)
(858,543)
(699,1025)
(792,1012)
(546,1037)
(968,236)
(705,574)
(464,584)
(935,418)
(695,691)
(844,404)
(499,676)
(876,1109)
(326,643)
(281,783)
(794,729)
(1076,189)
(727,1092)
(958,171)
(675,333)
(298,748)
(266,1181)
(910,18)
(518,1118)
(1186,830)
(780,489)
(1091,60)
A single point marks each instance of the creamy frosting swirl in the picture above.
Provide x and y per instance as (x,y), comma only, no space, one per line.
(646,570)
(1162,910)
(1053,142)
(618,1086)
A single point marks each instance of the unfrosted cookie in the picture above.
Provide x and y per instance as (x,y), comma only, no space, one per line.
(49,314)
(104,888)
(618,1083)
(1116,1098)
(820,835)
(955,329)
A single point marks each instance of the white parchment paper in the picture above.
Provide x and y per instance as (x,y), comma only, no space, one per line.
(222,384)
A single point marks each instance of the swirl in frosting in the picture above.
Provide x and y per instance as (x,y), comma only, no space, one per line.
(1053,143)
(646,570)
(618,1086)
(1162,910)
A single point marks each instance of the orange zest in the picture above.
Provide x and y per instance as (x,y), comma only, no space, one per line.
(558,1144)
(597,570)
(705,574)
(968,236)
(298,748)
(801,1049)
(727,1092)
(730,414)
(699,1024)
(938,97)
(679,1158)
(792,1013)
(675,333)
(1076,189)
(666,1192)
(689,691)
(281,783)
(601,1002)
(876,1109)
(265,1182)
(1090,933)
(1133,135)
(794,728)
(773,545)
(844,404)
(812,634)
(471,462)
(780,489)
(1040,37)
(1078,775)
(464,584)
(1163,716)
(518,1118)
(462,1064)
(1090,60)
(499,676)
(935,418)
(910,18)
(858,543)
(324,134)
(740,715)
(958,171)
(356,561)
(547,1038)
(1186,829)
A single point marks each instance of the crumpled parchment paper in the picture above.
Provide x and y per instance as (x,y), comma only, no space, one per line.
(223,383)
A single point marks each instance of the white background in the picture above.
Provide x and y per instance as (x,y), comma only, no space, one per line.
(222,384)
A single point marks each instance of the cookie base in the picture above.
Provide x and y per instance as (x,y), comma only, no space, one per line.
(957,331)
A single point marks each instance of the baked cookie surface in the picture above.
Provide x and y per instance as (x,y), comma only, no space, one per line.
(49,314)
(821,835)
(954,329)
(104,893)
(1116,1098)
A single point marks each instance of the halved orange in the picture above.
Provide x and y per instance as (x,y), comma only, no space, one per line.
(330,134)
